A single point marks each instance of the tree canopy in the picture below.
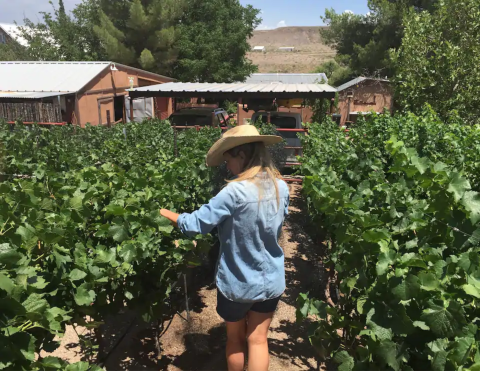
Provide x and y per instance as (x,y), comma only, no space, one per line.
(363,41)
(437,62)
(59,36)
(193,40)
(336,73)
(146,37)
(214,41)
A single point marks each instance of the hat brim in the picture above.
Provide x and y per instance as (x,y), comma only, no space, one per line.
(215,154)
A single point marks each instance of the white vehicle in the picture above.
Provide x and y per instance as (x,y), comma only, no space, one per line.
(285,120)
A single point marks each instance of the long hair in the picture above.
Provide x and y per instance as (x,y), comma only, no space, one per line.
(257,160)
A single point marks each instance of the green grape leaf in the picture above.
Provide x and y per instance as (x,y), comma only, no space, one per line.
(84,296)
(118,233)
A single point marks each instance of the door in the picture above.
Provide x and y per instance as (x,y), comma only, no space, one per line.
(119,107)
(142,109)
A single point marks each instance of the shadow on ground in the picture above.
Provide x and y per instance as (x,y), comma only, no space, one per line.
(305,271)
(200,343)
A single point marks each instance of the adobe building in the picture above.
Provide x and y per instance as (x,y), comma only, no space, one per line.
(361,96)
(77,92)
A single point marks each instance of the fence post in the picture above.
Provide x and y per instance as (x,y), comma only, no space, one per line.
(186,297)
(131,109)
(213,118)
(269,118)
(109,121)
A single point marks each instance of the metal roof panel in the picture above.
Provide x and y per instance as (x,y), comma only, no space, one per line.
(178,87)
(29,94)
(356,81)
(235,90)
(287,78)
(48,76)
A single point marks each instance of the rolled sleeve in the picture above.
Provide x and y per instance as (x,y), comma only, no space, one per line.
(210,215)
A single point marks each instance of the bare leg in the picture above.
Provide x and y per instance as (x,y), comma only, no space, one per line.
(236,345)
(257,333)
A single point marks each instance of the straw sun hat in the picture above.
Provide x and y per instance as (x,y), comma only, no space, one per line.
(235,137)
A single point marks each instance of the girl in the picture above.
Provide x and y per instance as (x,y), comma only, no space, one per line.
(249,213)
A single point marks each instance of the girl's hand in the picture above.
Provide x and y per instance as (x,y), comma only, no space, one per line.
(170,215)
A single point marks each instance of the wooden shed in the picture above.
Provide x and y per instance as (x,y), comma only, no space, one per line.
(77,92)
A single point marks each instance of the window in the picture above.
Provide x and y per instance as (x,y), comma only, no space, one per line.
(191,120)
(3,39)
(218,120)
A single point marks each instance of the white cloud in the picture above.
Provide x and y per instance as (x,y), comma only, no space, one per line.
(348,12)
(19,9)
(281,24)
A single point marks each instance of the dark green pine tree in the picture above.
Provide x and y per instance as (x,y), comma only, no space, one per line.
(147,38)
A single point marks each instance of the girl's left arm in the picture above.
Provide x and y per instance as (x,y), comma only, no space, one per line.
(170,215)
(208,216)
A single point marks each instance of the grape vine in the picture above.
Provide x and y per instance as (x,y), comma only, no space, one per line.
(398,198)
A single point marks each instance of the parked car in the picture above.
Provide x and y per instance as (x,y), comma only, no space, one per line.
(285,120)
(199,116)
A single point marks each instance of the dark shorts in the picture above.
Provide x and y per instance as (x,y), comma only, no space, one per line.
(231,311)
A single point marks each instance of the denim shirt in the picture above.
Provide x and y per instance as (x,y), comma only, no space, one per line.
(250,267)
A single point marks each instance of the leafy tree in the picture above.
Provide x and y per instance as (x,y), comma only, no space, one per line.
(146,38)
(214,41)
(13,51)
(363,41)
(337,73)
(60,36)
(438,60)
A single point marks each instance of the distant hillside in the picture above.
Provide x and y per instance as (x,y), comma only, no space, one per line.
(309,50)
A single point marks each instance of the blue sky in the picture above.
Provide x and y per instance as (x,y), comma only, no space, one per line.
(275,13)
(279,13)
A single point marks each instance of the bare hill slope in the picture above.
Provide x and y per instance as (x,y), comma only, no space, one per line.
(310,51)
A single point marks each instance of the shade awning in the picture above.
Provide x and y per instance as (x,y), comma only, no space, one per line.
(235,90)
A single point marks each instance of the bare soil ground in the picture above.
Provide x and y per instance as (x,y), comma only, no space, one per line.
(310,51)
(199,344)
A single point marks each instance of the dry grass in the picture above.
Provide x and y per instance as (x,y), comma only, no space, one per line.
(310,51)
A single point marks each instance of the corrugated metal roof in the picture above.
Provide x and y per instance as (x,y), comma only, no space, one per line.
(181,87)
(356,81)
(351,83)
(68,77)
(13,31)
(48,76)
(287,78)
(29,94)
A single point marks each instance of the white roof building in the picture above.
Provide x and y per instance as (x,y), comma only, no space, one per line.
(287,78)
(13,31)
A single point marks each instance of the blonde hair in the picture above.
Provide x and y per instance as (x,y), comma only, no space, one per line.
(257,160)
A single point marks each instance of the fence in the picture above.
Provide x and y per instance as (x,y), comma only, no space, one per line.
(31,112)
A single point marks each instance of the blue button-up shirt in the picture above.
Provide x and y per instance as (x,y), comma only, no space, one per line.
(250,267)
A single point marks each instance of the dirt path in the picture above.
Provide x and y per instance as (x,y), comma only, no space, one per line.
(200,343)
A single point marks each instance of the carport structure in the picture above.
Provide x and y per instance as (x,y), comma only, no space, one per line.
(241,92)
